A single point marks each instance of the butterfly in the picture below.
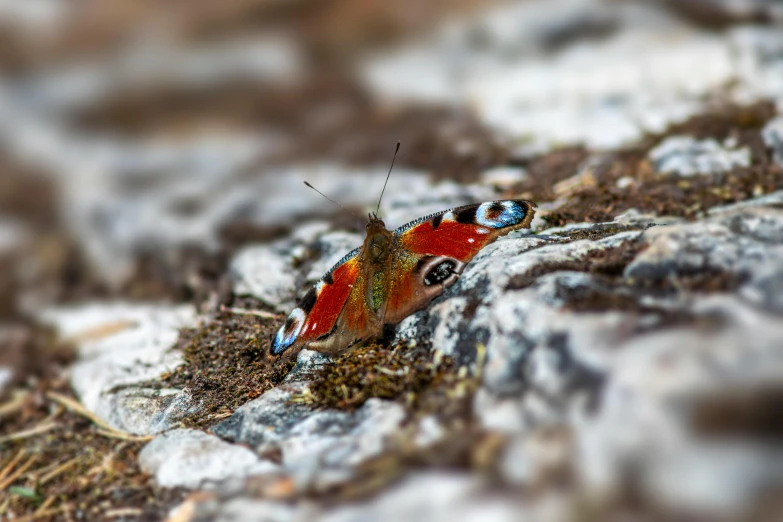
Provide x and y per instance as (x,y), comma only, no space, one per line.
(394,274)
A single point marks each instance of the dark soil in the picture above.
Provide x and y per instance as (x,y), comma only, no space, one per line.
(55,463)
(70,470)
(227,363)
(597,198)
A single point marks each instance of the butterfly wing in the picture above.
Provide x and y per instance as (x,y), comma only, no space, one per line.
(432,251)
(316,321)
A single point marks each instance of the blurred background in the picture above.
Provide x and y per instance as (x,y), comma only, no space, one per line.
(143,142)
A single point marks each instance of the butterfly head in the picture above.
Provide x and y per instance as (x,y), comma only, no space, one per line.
(377,244)
(374,222)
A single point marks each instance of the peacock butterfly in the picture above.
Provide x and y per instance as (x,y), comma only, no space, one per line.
(394,274)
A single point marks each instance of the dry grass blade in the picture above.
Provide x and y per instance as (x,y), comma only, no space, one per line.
(123,512)
(32,432)
(121,435)
(57,471)
(100,332)
(245,311)
(7,481)
(14,461)
(45,505)
(14,404)
(42,514)
(79,409)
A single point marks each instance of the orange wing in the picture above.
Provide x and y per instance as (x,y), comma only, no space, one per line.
(433,251)
(317,313)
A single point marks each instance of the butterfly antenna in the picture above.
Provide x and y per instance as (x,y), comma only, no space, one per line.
(387,178)
(333,201)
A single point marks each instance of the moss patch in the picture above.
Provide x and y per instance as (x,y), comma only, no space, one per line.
(227,364)
(413,376)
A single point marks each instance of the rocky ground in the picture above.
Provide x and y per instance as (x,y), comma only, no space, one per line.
(623,358)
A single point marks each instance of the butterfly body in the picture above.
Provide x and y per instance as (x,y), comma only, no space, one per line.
(393,274)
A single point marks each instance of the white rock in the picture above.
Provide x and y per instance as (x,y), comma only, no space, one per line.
(6,377)
(35,15)
(643,425)
(687,156)
(423,497)
(193,459)
(772,134)
(265,272)
(119,346)
(597,93)
(154,62)
(593,92)
(529,458)
(252,510)
(316,447)
(503,177)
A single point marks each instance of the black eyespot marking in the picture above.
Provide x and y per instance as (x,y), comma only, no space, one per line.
(496,207)
(308,301)
(439,273)
(436,221)
(328,279)
(423,261)
(466,215)
(288,323)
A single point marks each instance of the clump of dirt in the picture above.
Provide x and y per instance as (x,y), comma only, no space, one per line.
(414,376)
(226,363)
(598,196)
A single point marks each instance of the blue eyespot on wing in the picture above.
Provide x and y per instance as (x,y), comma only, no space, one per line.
(461,232)
(316,314)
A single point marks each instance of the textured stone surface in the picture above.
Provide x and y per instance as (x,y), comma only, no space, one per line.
(599,393)
(315,446)
(193,459)
(648,404)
